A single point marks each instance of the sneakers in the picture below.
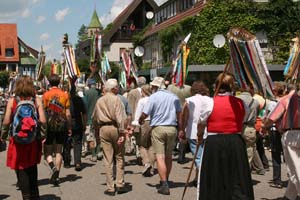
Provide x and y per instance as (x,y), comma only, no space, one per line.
(146,170)
(94,158)
(78,167)
(67,165)
(122,190)
(54,177)
(164,189)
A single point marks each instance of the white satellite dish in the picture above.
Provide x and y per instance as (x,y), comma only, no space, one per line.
(139,51)
(219,41)
(149,15)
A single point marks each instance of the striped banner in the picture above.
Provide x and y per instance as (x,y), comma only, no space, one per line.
(71,65)
(248,64)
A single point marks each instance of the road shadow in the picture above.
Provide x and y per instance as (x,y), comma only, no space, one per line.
(186,160)
(171,185)
(68,178)
(255,182)
(85,165)
(49,197)
(4,196)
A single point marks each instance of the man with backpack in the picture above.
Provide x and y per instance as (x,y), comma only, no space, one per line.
(57,107)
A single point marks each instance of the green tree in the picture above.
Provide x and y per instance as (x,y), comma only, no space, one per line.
(4,75)
(281,23)
(47,68)
(84,65)
(82,34)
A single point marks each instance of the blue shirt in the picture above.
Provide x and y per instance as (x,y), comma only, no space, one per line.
(126,104)
(162,107)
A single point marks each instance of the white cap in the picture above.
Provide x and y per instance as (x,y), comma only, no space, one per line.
(110,84)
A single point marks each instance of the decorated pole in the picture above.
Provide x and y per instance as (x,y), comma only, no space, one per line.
(292,68)
(179,66)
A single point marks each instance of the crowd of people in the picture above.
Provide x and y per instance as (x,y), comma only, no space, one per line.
(227,132)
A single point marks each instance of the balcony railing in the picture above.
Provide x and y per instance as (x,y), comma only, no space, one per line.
(125,34)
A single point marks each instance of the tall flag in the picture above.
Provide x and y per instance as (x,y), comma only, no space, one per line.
(133,67)
(180,70)
(96,48)
(105,68)
(39,68)
(291,70)
(126,60)
(247,62)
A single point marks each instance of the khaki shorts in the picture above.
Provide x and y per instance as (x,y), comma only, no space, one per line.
(90,133)
(163,139)
(53,148)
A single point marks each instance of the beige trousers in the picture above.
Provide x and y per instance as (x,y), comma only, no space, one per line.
(111,151)
(249,135)
(146,149)
(291,149)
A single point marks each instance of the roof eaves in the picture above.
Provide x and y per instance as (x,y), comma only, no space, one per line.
(177,18)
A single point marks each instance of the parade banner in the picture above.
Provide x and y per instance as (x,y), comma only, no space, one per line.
(247,62)
(70,62)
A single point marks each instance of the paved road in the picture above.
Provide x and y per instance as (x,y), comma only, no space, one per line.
(90,183)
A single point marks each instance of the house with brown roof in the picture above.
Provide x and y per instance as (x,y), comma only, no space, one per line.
(168,14)
(15,54)
(128,23)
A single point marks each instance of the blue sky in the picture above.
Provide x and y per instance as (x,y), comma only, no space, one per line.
(43,22)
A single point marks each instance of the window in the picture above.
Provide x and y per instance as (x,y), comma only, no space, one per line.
(12,67)
(9,52)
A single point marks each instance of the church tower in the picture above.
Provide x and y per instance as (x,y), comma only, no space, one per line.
(95,25)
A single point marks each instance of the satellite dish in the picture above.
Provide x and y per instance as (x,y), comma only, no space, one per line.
(139,51)
(149,15)
(219,41)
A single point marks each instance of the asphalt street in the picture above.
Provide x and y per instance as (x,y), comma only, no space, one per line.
(90,182)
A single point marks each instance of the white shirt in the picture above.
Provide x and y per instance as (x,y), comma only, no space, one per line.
(199,107)
(139,109)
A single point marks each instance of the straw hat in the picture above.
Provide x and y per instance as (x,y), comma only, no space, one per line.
(158,82)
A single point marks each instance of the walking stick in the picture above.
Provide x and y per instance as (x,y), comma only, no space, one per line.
(223,75)
(190,172)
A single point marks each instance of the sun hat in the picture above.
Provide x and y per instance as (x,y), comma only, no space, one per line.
(158,82)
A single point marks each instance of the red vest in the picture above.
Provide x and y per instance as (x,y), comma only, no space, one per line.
(227,115)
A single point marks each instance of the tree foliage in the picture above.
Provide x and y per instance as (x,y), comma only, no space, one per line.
(4,75)
(281,23)
(217,18)
(279,19)
(82,34)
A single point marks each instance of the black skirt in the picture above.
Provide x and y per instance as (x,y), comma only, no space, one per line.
(225,173)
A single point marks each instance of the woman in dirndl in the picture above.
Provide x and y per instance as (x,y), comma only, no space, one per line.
(225,173)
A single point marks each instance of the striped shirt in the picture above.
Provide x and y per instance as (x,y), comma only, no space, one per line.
(286,114)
